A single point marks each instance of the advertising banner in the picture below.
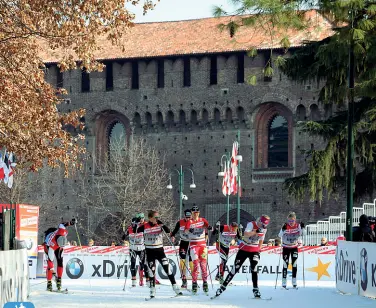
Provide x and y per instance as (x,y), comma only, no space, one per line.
(27,230)
(356,268)
(347,260)
(367,269)
(98,262)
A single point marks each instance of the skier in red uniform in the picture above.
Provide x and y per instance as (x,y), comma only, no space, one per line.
(290,234)
(227,233)
(249,248)
(184,246)
(54,242)
(196,229)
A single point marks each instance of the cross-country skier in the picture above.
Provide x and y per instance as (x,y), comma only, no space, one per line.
(249,248)
(196,229)
(54,241)
(153,234)
(137,248)
(183,246)
(290,233)
(227,234)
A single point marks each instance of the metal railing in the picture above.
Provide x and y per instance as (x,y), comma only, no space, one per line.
(335,226)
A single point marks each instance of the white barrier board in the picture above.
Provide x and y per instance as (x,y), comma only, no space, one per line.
(356,268)
(100,262)
(14,276)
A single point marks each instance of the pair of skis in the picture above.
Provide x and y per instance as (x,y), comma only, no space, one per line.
(257,298)
(177,295)
(65,291)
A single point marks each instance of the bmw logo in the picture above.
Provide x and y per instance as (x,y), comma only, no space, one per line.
(363,269)
(172,268)
(74,268)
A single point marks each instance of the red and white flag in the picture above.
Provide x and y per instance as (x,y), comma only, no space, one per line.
(234,185)
(8,167)
(2,174)
(234,169)
(12,164)
(226,180)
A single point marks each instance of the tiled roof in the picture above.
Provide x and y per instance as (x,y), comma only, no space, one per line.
(198,36)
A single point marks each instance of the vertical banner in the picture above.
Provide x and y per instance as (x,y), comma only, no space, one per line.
(347,267)
(367,269)
(27,230)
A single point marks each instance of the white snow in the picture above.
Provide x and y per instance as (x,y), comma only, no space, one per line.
(109,293)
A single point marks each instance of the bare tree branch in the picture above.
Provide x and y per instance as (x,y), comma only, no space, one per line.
(133,180)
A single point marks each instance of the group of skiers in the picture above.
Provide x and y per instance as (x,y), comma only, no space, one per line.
(146,242)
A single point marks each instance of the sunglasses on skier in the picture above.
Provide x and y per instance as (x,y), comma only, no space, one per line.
(290,221)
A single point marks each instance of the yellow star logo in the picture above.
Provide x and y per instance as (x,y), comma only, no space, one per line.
(321,269)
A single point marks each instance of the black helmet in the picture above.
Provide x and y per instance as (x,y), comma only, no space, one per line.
(134,220)
(195,209)
(187,213)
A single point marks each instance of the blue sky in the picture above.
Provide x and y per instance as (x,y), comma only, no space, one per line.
(167,10)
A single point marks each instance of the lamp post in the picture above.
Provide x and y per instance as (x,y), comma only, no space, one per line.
(222,174)
(350,139)
(181,187)
(239,158)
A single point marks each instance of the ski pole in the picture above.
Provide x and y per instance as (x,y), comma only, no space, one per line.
(303,241)
(78,235)
(176,254)
(279,262)
(219,247)
(207,263)
(126,272)
(125,261)
(228,258)
(303,271)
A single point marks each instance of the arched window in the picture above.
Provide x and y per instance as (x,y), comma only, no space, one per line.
(148,118)
(273,136)
(170,119)
(301,113)
(182,119)
(194,117)
(315,113)
(278,154)
(228,115)
(205,116)
(116,140)
(109,126)
(160,118)
(240,113)
(217,115)
(137,120)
